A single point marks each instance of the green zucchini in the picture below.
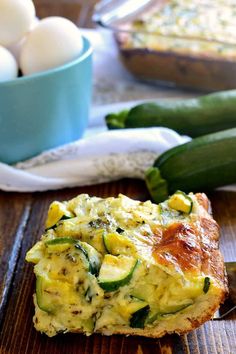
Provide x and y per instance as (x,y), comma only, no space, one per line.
(144,291)
(207,284)
(45,289)
(88,325)
(200,165)
(57,211)
(116,271)
(138,318)
(159,315)
(91,255)
(35,253)
(181,202)
(116,244)
(51,292)
(60,241)
(93,258)
(134,310)
(193,117)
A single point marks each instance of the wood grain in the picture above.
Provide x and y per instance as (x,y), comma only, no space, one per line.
(22,220)
(14,213)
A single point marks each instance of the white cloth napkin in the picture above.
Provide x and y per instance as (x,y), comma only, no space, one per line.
(106,156)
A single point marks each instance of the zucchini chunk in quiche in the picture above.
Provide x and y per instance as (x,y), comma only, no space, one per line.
(118,265)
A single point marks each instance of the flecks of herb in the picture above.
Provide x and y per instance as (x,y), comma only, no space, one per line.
(207,284)
(139,317)
(63,271)
(79,285)
(75,312)
(97,224)
(120,230)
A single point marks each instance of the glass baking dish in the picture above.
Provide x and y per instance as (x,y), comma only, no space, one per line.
(185,43)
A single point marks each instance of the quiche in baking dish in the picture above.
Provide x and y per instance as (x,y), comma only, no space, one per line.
(188,43)
(200,27)
(118,265)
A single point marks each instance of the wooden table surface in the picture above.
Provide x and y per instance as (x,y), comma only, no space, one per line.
(22,217)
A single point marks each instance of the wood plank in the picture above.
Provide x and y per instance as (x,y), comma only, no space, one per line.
(14,213)
(17,332)
(224,211)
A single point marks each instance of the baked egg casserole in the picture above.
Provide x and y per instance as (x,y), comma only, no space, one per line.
(185,43)
(118,265)
(200,27)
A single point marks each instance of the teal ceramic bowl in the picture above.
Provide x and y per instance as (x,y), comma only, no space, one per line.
(45,110)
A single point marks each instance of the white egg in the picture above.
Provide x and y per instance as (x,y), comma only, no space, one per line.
(53,42)
(16,18)
(15,48)
(8,65)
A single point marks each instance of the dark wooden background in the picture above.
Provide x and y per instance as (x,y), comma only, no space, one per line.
(22,216)
(78,11)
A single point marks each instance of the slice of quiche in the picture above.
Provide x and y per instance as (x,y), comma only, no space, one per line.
(118,265)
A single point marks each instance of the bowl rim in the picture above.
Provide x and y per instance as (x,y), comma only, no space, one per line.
(86,52)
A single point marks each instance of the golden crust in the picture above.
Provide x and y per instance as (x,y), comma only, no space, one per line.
(187,324)
(193,247)
(212,260)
